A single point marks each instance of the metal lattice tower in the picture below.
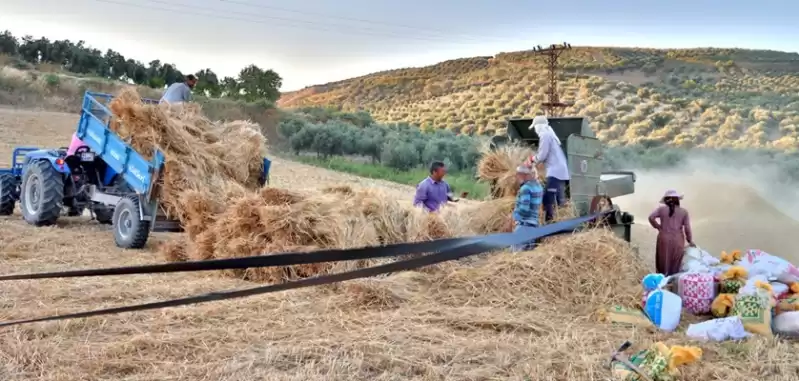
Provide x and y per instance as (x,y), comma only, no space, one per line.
(553,106)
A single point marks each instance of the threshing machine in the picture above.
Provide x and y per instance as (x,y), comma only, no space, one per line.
(590,190)
(106,176)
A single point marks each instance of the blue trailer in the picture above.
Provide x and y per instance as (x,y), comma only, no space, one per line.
(106,176)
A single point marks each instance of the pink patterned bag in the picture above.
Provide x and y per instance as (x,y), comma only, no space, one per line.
(697,291)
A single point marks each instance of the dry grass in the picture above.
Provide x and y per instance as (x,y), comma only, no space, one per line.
(525,316)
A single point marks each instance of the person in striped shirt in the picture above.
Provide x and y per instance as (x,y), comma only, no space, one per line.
(528,203)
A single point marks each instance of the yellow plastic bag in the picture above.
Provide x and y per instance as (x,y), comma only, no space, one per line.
(722,305)
(628,316)
(732,280)
(755,313)
(730,258)
(659,362)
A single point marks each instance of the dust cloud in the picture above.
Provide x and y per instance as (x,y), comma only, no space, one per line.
(732,206)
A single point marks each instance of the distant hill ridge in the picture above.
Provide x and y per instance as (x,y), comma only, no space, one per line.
(681,97)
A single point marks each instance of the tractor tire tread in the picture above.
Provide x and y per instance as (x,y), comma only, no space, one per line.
(52,193)
(142,231)
(8,184)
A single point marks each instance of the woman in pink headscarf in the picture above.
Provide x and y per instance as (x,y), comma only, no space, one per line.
(674,228)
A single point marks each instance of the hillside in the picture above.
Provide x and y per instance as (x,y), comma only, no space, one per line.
(686,98)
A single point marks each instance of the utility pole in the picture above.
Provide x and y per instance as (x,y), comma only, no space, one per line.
(553,52)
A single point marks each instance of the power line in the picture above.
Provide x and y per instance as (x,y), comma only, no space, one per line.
(311,25)
(383,23)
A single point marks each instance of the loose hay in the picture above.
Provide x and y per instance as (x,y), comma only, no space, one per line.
(219,160)
(498,167)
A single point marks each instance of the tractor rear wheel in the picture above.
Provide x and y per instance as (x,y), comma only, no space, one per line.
(130,232)
(8,194)
(42,195)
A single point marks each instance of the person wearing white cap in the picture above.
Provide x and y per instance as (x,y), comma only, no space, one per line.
(528,203)
(551,155)
(674,228)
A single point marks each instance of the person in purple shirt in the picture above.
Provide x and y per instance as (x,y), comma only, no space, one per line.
(433,191)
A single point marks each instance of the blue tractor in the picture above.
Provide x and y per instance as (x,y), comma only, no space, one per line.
(106,176)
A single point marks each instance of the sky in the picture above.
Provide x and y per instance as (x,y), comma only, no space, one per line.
(311,42)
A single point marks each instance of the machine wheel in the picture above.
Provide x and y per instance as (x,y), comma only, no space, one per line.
(42,194)
(130,232)
(8,194)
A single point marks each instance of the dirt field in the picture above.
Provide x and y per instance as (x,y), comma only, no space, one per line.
(279,338)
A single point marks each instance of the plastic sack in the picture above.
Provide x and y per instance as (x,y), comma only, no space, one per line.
(719,269)
(627,316)
(658,362)
(696,259)
(722,305)
(755,313)
(758,262)
(697,291)
(731,257)
(730,328)
(781,290)
(787,305)
(732,280)
(664,309)
(652,282)
(787,323)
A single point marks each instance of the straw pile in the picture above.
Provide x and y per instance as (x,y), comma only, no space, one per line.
(218,159)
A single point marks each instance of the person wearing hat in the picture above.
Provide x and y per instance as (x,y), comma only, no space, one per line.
(528,203)
(674,229)
(551,155)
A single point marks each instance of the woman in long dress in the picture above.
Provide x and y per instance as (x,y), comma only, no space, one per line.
(674,229)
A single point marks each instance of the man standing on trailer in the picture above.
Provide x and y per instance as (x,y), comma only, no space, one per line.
(179,92)
(551,155)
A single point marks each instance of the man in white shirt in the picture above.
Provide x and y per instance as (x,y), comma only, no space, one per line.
(551,155)
(179,92)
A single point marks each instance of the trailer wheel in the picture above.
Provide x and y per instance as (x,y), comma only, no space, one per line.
(42,194)
(8,194)
(130,232)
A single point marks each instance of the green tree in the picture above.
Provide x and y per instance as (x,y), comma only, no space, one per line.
(256,83)
(8,43)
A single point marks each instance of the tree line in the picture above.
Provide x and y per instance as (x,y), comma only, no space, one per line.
(252,83)
(398,146)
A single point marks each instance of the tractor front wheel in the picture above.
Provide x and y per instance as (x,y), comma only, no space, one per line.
(8,194)
(42,194)
(130,231)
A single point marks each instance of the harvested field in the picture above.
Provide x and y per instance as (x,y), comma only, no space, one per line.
(518,317)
